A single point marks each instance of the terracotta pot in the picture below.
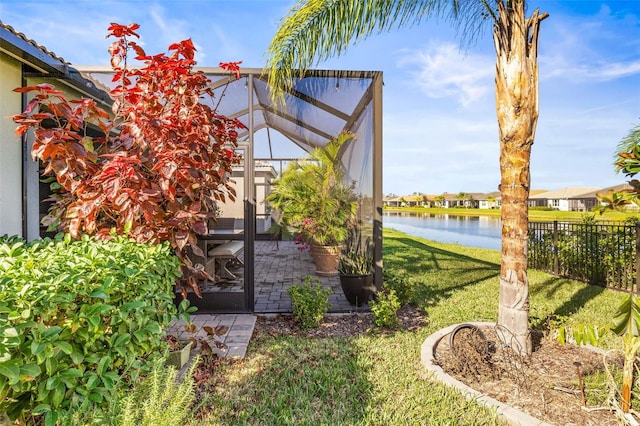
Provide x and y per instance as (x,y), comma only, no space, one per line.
(358,289)
(326,259)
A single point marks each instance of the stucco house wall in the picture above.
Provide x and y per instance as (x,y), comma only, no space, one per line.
(24,63)
(11,157)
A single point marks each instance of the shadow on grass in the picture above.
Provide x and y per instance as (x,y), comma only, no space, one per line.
(435,273)
(426,254)
(555,287)
(292,380)
(464,279)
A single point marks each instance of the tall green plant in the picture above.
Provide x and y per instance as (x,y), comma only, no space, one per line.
(157,399)
(627,161)
(77,318)
(316,202)
(626,324)
(357,256)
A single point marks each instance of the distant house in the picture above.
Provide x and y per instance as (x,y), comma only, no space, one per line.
(490,200)
(576,199)
(429,200)
(451,201)
(392,201)
(420,200)
(411,201)
(468,200)
(536,201)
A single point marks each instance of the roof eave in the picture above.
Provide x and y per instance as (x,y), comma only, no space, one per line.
(26,52)
(47,65)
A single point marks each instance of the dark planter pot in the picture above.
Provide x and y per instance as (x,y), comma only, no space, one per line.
(358,289)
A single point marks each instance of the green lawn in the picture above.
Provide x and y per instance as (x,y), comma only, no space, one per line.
(378,379)
(534,215)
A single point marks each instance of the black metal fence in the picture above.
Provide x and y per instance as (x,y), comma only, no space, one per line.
(605,254)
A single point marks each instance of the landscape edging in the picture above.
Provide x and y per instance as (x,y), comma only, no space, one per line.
(512,415)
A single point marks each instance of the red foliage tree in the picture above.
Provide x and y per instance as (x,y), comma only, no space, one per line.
(164,159)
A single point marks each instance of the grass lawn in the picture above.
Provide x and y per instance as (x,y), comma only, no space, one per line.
(534,215)
(377,379)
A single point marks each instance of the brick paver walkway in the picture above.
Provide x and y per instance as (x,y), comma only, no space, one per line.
(236,339)
(277,267)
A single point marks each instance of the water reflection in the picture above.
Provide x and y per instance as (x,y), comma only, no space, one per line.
(472,231)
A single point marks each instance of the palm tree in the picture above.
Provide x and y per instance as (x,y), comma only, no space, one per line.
(315,189)
(492,201)
(469,201)
(315,30)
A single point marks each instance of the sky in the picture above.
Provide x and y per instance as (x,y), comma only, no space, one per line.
(439,121)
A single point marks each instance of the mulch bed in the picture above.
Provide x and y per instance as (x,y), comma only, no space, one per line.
(545,385)
(335,325)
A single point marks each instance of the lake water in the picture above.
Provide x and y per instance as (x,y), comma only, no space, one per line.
(472,231)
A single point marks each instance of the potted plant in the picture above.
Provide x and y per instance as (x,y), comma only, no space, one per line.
(316,204)
(179,351)
(356,270)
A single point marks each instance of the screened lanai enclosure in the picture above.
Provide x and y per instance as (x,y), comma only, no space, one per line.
(252,267)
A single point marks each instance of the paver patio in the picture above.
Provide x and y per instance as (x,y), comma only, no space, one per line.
(278,265)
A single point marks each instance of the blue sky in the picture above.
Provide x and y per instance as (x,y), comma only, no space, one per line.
(440,128)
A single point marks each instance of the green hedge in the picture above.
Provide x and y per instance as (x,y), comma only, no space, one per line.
(77,318)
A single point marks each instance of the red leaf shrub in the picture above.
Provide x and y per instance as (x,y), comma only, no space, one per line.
(164,159)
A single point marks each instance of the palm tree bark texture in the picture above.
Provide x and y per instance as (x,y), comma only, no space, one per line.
(516,44)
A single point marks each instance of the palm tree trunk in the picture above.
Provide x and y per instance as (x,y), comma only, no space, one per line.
(516,44)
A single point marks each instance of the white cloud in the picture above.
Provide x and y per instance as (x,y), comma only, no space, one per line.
(436,152)
(596,72)
(171,29)
(55,27)
(442,71)
(590,49)
(174,30)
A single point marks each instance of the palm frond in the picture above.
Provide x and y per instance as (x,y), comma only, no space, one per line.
(627,146)
(316,30)
(470,17)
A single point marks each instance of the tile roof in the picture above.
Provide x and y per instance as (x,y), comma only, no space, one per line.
(615,188)
(47,63)
(473,195)
(33,43)
(495,194)
(566,193)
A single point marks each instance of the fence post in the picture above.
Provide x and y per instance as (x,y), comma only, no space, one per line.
(555,247)
(637,257)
